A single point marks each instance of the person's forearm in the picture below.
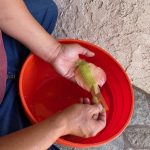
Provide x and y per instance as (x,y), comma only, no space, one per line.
(38,137)
(16,21)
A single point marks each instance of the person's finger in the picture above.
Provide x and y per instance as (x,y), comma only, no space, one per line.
(100,107)
(86,101)
(86,52)
(102,116)
(95,116)
(96,109)
(100,125)
(98,73)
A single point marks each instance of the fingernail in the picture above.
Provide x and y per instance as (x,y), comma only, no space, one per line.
(100,107)
(102,81)
(92,54)
(87,99)
(95,117)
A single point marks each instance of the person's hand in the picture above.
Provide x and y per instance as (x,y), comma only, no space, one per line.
(83,120)
(65,63)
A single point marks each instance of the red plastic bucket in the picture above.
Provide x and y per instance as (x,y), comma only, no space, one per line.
(44,92)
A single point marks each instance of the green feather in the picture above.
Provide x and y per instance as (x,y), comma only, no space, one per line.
(89,80)
(86,73)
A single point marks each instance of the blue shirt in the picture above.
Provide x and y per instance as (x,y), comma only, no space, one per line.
(12,116)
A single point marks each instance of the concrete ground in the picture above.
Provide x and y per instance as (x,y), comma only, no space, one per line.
(121,27)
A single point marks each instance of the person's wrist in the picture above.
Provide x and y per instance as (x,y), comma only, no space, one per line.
(54,53)
(64,123)
(61,124)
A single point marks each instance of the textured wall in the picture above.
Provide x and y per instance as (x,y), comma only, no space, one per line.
(122,27)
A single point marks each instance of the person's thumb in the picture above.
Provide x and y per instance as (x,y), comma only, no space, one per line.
(87,52)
